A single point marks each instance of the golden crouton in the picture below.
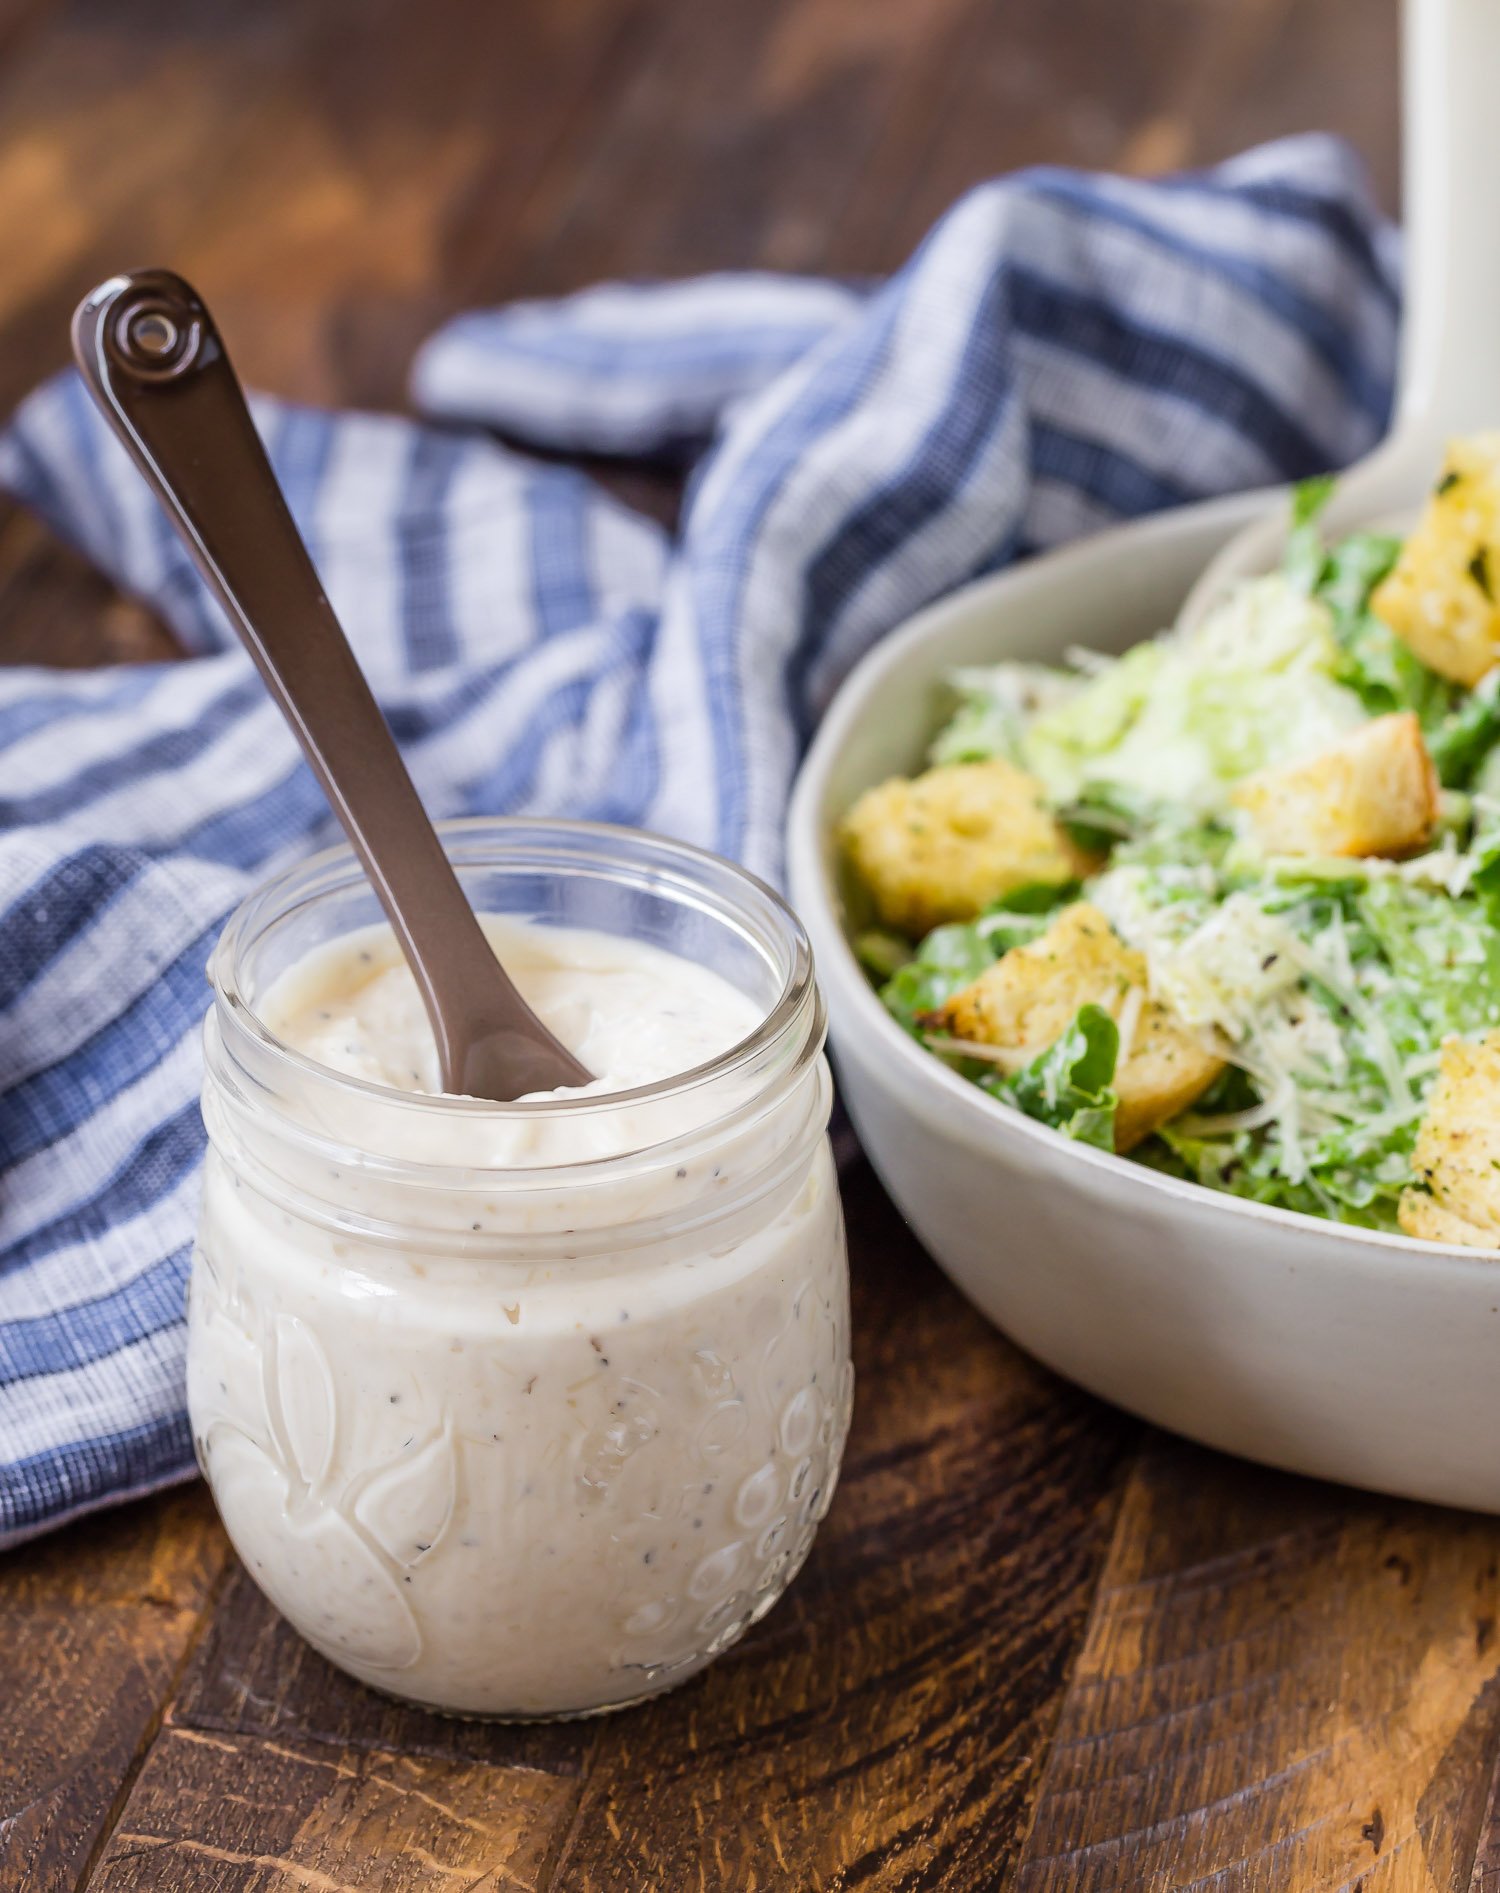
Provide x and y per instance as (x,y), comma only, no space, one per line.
(1031,995)
(1441,595)
(1424,1216)
(949,843)
(1458,1148)
(1374,792)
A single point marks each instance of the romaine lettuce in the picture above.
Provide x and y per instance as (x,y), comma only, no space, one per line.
(1329,984)
(1068,1085)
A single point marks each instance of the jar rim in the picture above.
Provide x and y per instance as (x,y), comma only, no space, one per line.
(337,868)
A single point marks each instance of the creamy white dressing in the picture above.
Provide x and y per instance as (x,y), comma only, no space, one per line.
(633,1013)
(541,1425)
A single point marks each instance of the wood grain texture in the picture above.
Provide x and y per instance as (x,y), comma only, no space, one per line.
(1283,1685)
(884,1720)
(94,1625)
(253,1675)
(336,193)
(216,1814)
(880,1728)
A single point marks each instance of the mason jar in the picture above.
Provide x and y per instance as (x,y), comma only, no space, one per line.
(537,1436)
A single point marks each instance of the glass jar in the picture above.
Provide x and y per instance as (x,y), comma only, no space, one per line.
(543,1437)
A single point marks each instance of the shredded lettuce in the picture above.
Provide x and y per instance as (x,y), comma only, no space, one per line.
(1327,985)
(1304,559)
(993,705)
(1068,1085)
(1465,739)
(1176,721)
(1330,986)
(1373,662)
(954,956)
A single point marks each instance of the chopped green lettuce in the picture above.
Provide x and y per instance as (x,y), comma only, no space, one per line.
(1304,557)
(993,705)
(1068,1085)
(1466,738)
(1329,985)
(1373,662)
(1331,991)
(881,953)
(1179,720)
(953,957)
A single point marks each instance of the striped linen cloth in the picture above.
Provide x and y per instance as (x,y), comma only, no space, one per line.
(1062,351)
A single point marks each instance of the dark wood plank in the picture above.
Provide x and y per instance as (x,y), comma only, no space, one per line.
(220,1814)
(1077,82)
(1283,1685)
(94,1625)
(743,141)
(1323,63)
(327,185)
(1262,1648)
(254,1676)
(338,193)
(55,609)
(889,1709)
(880,1728)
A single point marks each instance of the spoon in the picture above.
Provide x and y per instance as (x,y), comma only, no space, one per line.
(1449,376)
(154,362)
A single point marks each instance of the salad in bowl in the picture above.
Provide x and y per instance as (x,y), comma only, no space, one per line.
(1229,903)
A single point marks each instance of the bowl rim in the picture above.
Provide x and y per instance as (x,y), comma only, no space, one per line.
(807,856)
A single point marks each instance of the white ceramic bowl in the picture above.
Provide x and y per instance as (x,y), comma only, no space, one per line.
(1355,1356)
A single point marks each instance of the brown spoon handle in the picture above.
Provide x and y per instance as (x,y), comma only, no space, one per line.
(153,360)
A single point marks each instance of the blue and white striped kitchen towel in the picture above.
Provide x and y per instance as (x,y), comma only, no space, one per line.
(1062,351)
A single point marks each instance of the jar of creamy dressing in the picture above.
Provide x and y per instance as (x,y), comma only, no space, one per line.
(522,1410)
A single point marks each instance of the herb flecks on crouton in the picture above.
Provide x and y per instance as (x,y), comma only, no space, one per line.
(1030,996)
(1374,792)
(1424,1217)
(1442,597)
(1457,1158)
(948,844)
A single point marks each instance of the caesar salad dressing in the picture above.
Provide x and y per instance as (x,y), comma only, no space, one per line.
(542,1423)
(634,1014)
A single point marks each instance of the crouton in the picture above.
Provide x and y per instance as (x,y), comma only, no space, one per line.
(1458,1146)
(947,844)
(1424,1216)
(1031,995)
(1374,792)
(1441,595)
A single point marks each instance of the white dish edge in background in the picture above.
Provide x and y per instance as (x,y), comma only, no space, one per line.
(1324,1349)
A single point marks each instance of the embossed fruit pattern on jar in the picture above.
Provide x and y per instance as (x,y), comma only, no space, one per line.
(513,1491)
(522,1407)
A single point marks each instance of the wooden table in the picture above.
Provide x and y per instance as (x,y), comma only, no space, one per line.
(1038,1646)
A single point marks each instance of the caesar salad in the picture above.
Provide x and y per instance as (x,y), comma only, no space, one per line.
(1230,902)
